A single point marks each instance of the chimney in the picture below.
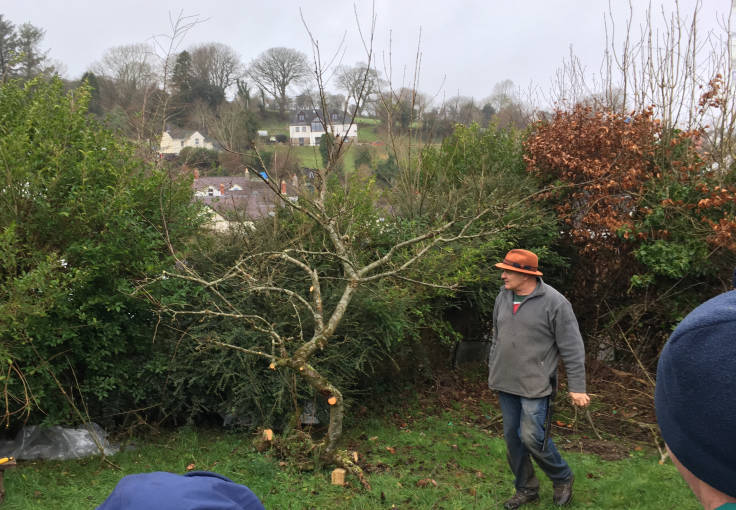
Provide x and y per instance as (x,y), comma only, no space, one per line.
(283,187)
(196,174)
(222,188)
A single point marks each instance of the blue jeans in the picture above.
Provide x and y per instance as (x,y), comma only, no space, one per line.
(523,429)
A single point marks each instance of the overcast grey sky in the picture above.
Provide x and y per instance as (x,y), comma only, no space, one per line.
(467,46)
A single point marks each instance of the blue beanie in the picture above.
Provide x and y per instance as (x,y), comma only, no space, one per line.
(695,395)
(197,490)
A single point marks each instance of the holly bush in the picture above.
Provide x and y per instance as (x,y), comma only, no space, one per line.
(81,219)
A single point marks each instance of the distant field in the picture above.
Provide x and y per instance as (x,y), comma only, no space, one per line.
(311,158)
(366,120)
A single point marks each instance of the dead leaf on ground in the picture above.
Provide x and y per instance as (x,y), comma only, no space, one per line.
(190,466)
(424,482)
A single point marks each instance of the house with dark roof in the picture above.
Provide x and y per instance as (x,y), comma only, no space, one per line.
(241,197)
(235,196)
(307,127)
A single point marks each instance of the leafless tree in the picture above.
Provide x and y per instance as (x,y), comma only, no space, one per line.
(136,80)
(668,62)
(359,81)
(306,100)
(231,125)
(129,76)
(504,94)
(276,69)
(132,67)
(461,110)
(166,47)
(217,65)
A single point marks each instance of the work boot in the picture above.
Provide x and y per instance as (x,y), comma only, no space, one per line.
(521,497)
(563,492)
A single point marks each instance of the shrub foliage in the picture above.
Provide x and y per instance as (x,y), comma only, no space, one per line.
(648,226)
(81,218)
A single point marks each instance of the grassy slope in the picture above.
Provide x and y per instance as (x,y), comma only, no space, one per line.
(310,157)
(402,453)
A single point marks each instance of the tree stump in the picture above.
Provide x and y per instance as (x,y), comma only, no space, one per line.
(338,476)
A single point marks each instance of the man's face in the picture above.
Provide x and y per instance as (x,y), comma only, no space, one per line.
(515,281)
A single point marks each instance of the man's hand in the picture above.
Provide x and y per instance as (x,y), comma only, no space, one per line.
(580,399)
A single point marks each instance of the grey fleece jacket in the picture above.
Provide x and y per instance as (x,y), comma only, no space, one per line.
(528,344)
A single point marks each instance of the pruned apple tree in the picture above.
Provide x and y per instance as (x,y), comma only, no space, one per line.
(333,237)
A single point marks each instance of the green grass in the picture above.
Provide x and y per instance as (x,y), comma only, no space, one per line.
(367,120)
(403,454)
(307,156)
(310,157)
(367,134)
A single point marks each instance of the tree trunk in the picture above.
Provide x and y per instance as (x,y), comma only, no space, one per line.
(282,106)
(334,398)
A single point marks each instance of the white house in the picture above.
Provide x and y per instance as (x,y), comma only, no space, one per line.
(217,222)
(172,141)
(308,127)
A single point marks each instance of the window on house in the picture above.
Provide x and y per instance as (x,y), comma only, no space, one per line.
(301,141)
(301,117)
(196,141)
(210,191)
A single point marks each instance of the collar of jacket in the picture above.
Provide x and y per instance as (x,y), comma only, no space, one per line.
(539,290)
